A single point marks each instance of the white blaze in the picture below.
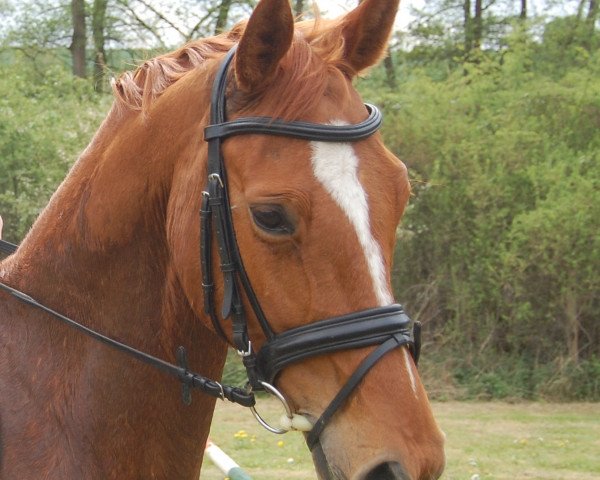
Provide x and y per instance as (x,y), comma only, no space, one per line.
(335,165)
(409,368)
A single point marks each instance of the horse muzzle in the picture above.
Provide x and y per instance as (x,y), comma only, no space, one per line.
(378,470)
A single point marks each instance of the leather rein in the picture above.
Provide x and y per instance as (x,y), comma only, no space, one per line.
(385,327)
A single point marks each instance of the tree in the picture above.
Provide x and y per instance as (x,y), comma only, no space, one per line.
(40,31)
(223,13)
(555,248)
(590,22)
(79,41)
(474,23)
(523,13)
(99,37)
(478,24)
(46,121)
(48,26)
(468,25)
(498,253)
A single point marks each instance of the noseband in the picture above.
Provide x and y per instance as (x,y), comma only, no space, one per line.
(385,327)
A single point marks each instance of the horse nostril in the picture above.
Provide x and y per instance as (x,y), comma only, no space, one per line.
(387,471)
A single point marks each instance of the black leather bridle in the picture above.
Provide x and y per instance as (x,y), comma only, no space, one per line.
(386,327)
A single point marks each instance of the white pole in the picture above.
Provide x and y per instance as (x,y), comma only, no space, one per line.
(225,463)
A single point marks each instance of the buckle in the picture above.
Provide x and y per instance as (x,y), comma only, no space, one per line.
(245,353)
(217,177)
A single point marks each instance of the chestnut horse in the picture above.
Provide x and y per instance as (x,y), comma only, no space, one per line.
(117,249)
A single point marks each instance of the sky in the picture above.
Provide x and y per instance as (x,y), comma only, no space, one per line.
(334,8)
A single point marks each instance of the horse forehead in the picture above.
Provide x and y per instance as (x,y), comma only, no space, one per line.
(336,168)
(352,172)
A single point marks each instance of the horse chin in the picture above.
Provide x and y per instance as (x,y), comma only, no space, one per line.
(325,470)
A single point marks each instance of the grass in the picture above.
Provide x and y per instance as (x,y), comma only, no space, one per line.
(485,441)
(521,441)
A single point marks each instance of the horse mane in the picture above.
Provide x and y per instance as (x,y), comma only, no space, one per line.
(316,52)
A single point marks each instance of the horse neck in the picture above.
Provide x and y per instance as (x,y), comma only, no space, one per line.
(99,246)
(99,254)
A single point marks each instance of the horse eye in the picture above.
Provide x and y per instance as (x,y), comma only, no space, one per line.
(272,219)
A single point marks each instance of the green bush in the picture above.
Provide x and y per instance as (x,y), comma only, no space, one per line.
(45,121)
(579,382)
(499,253)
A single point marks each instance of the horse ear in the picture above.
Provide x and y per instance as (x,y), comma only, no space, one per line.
(265,41)
(366,32)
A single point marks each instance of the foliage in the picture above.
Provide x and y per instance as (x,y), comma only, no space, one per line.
(128,23)
(45,121)
(499,253)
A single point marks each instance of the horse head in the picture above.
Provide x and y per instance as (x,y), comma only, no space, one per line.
(302,223)
(314,223)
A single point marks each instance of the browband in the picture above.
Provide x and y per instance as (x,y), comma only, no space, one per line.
(302,130)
